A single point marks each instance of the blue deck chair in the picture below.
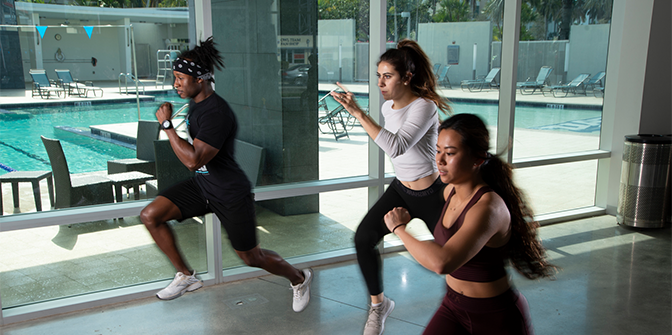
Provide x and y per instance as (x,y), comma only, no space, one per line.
(529,87)
(333,119)
(594,82)
(561,91)
(81,89)
(437,67)
(42,86)
(479,84)
(442,78)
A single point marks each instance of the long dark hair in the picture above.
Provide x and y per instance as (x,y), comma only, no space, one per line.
(525,251)
(409,57)
(206,54)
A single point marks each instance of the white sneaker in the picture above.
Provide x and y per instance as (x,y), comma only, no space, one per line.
(182,283)
(377,315)
(302,291)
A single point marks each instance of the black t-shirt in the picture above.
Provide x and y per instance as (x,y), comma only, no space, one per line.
(213,122)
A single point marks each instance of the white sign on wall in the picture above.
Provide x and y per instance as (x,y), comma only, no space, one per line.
(295,41)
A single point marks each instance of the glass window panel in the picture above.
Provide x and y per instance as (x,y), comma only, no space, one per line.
(559,95)
(89,104)
(558,187)
(311,232)
(462,46)
(53,262)
(282,59)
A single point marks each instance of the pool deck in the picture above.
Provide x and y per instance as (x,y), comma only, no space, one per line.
(15,98)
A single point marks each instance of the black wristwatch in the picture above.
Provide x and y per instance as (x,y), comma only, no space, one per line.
(166,124)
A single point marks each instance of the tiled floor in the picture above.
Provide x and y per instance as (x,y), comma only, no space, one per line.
(613,280)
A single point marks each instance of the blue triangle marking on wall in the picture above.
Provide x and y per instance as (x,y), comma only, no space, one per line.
(89,30)
(42,30)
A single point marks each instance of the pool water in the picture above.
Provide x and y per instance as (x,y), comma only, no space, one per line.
(526,117)
(21,147)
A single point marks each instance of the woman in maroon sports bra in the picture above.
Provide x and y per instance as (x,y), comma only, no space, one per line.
(484,224)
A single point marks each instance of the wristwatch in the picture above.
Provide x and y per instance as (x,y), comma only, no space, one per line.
(166,124)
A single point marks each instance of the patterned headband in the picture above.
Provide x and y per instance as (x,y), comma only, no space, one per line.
(191,68)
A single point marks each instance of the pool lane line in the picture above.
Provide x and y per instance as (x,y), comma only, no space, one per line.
(6,168)
(33,156)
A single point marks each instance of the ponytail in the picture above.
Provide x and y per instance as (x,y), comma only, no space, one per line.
(409,57)
(526,253)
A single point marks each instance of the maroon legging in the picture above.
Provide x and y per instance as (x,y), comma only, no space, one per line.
(506,313)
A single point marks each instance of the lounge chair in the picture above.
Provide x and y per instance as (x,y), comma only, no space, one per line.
(75,189)
(595,81)
(478,85)
(437,67)
(81,89)
(331,119)
(442,78)
(561,91)
(538,84)
(147,132)
(43,87)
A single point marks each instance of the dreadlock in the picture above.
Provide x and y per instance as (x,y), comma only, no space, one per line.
(206,54)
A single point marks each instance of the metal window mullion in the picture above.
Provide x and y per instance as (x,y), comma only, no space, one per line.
(377,24)
(213,247)
(509,69)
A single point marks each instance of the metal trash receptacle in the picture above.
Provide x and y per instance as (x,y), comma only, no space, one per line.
(644,195)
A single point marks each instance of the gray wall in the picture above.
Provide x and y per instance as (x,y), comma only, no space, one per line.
(434,39)
(155,35)
(330,35)
(656,117)
(104,45)
(77,50)
(588,48)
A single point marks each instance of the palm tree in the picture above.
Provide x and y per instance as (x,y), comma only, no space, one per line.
(494,10)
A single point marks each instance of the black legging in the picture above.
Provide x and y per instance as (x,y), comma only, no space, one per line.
(425,205)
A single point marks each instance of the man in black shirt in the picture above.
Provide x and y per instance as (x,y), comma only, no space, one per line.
(219,185)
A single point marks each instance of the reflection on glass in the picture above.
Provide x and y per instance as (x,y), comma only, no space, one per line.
(559,89)
(74,80)
(558,187)
(329,229)
(52,262)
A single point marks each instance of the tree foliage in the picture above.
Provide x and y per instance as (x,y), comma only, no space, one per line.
(122,3)
(452,11)
(538,15)
(357,10)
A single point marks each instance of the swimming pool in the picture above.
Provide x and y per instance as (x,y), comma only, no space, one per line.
(541,117)
(21,147)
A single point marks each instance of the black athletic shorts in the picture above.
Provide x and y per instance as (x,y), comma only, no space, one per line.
(238,218)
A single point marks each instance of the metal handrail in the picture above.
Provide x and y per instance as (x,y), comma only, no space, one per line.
(133,78)
(326,95)
(178,113)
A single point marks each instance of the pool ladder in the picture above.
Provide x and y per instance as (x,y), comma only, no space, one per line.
(126,76)
(164,65)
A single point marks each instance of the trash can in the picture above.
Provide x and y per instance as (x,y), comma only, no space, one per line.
(644,199)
